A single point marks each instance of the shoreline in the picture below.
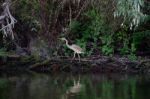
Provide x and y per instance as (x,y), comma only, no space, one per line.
(97,64)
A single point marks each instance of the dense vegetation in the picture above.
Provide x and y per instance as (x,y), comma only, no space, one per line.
(100,27)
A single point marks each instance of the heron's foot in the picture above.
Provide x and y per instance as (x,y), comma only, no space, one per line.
(72,60)
(79,60)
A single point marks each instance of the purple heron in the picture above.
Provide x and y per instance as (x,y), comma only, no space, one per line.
(77,49)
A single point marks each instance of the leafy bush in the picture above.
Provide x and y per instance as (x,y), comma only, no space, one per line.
(93,29)
(139,38)
(107,47)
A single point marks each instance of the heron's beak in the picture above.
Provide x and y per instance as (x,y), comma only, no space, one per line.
(60,38)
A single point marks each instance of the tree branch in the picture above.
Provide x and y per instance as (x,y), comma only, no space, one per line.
(7,21)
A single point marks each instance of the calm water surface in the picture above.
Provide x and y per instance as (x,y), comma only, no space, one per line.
(67,86)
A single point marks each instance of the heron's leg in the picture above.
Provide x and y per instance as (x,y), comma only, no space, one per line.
(74,56)
(74,82)
(78,80)
(79,57)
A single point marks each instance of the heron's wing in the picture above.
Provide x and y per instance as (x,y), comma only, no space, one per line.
(76,47)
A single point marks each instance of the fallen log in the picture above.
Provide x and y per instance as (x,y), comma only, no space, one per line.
(87,65)
(105,64)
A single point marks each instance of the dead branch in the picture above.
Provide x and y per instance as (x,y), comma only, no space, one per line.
(142,62)
(7,21)
(82,8)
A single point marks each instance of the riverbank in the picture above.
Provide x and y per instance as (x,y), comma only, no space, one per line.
(96,64)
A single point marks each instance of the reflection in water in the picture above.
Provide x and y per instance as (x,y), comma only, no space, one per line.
(73,90)
(76,88)
(42,86)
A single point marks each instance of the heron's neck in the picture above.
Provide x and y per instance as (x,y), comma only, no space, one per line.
(67,43)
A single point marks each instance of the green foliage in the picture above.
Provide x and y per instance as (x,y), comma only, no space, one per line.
(132,57)
(94,29)
(74,26)
(107,47)
(91,30)
(125,49)
(137,40)
(95,25)
(3,52)
(28,12)
(139,37)
(131,12)
(98,32)
(122,39)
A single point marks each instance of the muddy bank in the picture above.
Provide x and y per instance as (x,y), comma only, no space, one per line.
(97,64)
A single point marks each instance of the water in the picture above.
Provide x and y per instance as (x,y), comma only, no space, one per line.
(67,86)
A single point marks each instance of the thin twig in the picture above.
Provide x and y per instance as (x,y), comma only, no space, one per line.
(84,5)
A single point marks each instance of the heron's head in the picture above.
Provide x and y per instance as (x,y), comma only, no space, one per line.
(64,39)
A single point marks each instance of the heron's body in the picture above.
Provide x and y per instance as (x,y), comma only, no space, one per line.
(76,88)
(77,49)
